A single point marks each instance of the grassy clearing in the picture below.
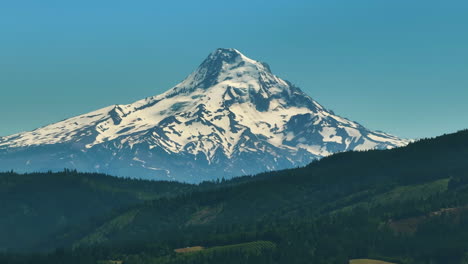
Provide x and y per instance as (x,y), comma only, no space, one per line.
(189,249)
(368,261)
(110,262)
(186,254)
(252,247)
(196,254)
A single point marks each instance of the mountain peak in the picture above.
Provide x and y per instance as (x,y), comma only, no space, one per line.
(225,53)
(228,56)
(230,117)
(221,65)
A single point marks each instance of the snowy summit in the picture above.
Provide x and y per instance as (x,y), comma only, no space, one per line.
(232,116)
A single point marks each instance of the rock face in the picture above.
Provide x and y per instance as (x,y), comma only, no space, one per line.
(230,117)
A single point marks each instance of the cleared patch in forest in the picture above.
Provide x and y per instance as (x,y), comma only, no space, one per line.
(188,249)
(410,225)
(204,215)
(252,247)
(368,261)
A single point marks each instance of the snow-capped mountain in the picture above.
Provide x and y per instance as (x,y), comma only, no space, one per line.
(230,117)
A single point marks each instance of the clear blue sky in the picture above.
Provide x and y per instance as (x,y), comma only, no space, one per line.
(396,65)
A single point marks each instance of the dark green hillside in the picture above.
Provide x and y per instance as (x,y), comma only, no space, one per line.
(36,206)
(338,183)
(407,205)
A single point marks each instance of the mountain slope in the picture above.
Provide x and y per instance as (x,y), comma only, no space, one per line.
(230,117)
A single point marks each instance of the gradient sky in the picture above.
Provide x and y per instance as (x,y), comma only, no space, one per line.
(396,65)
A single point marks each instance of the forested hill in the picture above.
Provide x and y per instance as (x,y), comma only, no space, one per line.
(406,205)
(37,205)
